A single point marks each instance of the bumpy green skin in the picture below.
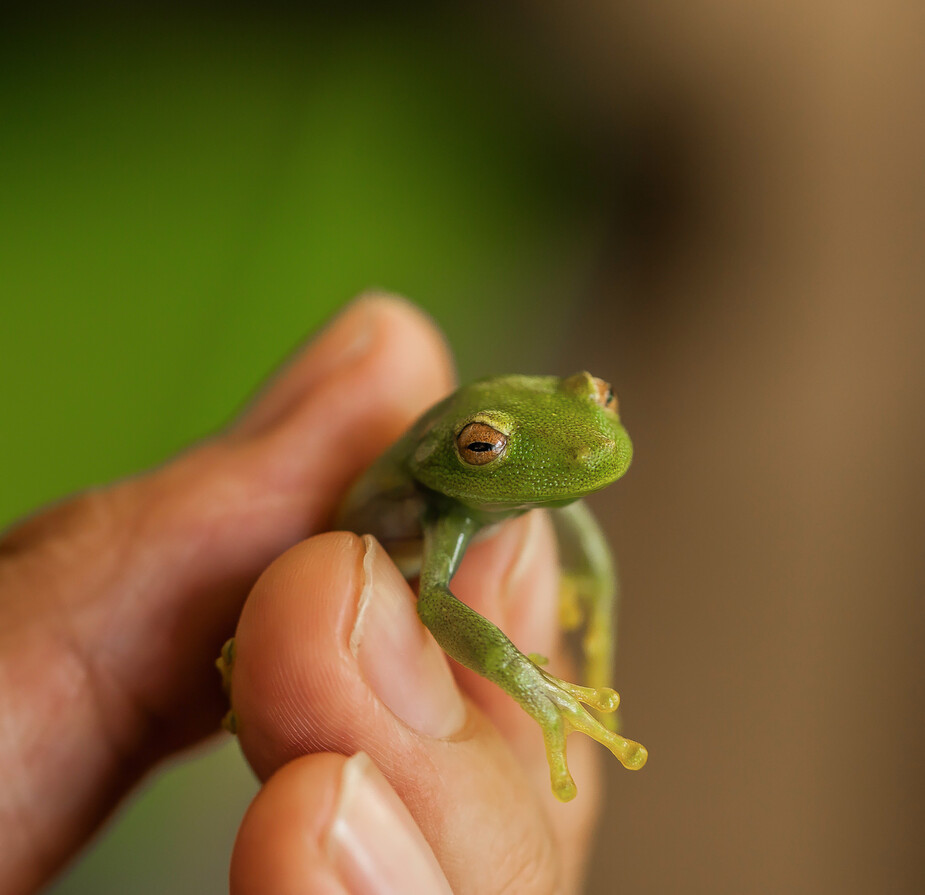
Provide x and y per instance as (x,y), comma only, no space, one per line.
(425,503)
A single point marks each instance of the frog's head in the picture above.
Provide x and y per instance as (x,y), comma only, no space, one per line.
(522,441)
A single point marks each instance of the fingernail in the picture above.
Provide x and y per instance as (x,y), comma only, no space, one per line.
(373,842)
(341,343)
(397,655)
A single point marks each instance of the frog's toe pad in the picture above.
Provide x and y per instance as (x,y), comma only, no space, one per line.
(636,756)
(564,790)
(604,699)
(630,754)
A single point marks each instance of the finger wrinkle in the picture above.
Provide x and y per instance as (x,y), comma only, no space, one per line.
(60,734)
(72,569)
(528,867)
(89,524)
(213,501)
(104,586)
(108,695)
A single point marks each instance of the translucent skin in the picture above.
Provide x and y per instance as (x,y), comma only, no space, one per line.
(426,501)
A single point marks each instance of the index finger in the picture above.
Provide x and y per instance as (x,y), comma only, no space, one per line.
(114,604)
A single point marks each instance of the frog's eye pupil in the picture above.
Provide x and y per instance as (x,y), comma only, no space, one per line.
(479,443)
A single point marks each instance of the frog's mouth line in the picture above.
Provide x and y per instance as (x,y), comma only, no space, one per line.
(490,507)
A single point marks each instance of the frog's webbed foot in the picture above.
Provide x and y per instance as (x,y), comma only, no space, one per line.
(225,664)
(558,706)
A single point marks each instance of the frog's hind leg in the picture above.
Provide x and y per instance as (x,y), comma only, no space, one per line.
(571,613)
(588,593)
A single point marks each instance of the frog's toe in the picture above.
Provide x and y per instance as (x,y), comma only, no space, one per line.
(225,664)
(564,789)
(604,699)
(630,754)
(568,699)
(636,755)
(554,734)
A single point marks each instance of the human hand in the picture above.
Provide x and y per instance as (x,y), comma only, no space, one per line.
(113,606)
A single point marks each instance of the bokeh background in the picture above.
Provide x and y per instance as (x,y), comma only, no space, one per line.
(718,206)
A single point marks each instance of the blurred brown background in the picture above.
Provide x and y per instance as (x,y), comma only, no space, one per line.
(718,206)
(771,364)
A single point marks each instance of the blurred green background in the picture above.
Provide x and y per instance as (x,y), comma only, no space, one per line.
(186,198)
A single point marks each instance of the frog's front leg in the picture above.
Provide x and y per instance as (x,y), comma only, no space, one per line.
(478,644)
(225,665)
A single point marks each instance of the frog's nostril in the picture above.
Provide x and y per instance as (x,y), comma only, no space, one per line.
(593,449)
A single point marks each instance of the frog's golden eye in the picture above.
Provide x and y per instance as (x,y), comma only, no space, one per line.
(603,394)
(479,443)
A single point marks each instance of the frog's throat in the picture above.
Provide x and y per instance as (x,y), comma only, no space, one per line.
(503,507)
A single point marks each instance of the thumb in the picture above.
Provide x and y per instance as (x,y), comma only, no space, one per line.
(114,604)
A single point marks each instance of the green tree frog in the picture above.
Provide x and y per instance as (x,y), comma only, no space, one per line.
(493,450)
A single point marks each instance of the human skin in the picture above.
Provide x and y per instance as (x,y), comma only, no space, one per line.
(114,604)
